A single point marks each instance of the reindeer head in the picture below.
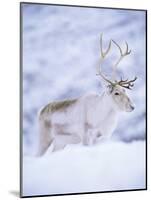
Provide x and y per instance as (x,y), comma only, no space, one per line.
(116,89)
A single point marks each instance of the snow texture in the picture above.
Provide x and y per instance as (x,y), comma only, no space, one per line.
(60,54)
(107,167)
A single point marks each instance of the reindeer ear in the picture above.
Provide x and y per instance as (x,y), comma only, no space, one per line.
(110,88)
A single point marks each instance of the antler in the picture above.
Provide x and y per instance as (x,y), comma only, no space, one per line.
(103,55)
(122,55)
(127,84)
(123,83)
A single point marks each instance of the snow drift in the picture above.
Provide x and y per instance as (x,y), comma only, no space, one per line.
(106,167)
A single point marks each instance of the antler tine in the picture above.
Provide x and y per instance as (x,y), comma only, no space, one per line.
(103,55)
(123,81)
(127,52)
(122,55)
(117,46)
(127,84)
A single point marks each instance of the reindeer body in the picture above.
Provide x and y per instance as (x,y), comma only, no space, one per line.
(84,120)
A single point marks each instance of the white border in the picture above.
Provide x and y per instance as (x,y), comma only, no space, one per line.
(9,99)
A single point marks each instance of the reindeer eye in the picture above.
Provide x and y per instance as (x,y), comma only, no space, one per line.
(116,93)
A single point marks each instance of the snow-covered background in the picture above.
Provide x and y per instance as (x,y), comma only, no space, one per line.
(60,54)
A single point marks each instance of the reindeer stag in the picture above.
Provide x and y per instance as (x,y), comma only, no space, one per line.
(87,119)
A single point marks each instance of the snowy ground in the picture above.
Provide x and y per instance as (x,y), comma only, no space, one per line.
(106,167)
(60,54)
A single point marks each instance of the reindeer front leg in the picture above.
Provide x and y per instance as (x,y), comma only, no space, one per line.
(90,134)
(85,135)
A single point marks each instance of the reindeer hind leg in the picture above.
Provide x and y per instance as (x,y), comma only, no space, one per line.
(45,138)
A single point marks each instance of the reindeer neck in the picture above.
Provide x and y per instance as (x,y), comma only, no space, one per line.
(106,105)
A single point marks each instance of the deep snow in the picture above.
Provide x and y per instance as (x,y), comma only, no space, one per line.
(107,167)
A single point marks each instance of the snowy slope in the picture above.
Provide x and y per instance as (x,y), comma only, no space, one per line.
(110,166)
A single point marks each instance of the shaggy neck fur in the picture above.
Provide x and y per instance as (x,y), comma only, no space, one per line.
(107,106)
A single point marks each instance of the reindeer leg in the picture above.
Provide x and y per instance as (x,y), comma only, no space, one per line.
(57,146)
(89,136)
(45,138)
(64,139)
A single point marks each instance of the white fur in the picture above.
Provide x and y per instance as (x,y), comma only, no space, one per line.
(91,118)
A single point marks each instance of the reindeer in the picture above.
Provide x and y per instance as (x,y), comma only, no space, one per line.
(90,118)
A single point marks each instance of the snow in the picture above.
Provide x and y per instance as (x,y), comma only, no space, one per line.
(106,167)
(60,55)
